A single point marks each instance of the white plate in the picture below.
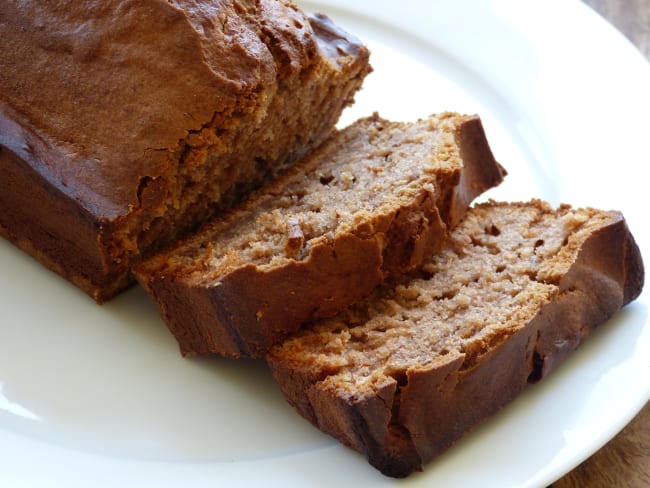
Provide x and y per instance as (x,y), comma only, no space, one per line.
(99,396)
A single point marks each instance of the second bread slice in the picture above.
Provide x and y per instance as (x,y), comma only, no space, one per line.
(374,200)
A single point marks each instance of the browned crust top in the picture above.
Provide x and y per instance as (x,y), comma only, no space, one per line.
(99,94)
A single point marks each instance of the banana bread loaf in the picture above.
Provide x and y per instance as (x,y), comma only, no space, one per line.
(373,200)
(405,373)
(124,124)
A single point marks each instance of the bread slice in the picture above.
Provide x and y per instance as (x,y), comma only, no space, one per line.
(131,123)
(405,373)
(374,200)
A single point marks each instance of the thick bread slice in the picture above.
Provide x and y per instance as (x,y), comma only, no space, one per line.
(405,373)
(374,200)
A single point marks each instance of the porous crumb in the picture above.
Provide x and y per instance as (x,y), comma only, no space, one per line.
(371,168)
(495,275)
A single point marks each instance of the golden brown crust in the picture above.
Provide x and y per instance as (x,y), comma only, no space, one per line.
(247,307)
(105,102)
(607,274)
(402,420)
(116,109)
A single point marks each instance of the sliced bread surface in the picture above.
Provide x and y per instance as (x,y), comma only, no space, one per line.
(403,374)
(374,200)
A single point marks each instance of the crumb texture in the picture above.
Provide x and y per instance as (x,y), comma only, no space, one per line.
(490,280)
(467,329)
(372,169)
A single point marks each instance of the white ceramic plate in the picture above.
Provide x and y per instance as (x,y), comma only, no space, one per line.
(99,396)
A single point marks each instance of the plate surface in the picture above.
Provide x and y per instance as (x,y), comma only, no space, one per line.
(99,396)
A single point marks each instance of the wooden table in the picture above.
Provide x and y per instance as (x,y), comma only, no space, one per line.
(625,461)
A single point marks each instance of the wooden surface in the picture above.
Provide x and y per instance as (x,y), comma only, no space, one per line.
(625,461)
(631,17)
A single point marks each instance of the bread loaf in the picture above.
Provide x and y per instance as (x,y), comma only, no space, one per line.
(403,374)
(373,200)
(125,124)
